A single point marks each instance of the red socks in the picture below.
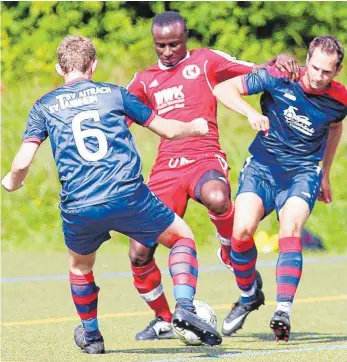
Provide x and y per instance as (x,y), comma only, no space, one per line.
(224,225)
(147,281)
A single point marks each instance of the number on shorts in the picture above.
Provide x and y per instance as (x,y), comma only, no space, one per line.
(80,135)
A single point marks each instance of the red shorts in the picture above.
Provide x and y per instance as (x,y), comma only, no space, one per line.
(174,180)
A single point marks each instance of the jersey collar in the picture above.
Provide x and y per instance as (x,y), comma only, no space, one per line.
(164,67)
(79,79)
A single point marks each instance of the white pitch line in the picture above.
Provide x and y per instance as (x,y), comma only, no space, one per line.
(210,356)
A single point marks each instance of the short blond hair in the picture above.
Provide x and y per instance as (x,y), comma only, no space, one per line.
(75,53)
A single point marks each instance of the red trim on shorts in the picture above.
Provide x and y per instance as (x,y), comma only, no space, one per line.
(291,243)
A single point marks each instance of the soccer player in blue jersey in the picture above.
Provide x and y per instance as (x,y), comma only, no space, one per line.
(300,125)
(102,186)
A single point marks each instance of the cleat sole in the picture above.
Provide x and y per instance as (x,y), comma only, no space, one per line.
(280,329)
(206,333)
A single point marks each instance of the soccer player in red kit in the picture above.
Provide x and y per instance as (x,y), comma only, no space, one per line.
(181,86)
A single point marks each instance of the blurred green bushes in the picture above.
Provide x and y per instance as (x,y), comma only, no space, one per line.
(254,31)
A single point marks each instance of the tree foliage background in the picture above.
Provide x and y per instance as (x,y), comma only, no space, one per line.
(253,31)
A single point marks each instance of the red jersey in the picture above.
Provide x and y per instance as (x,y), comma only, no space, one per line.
(184,92)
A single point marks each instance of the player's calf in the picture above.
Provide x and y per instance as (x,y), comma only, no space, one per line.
(85,296)
(147,281)
(243,256)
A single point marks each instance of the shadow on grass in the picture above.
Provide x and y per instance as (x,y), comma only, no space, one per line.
(296,339)
(204,351)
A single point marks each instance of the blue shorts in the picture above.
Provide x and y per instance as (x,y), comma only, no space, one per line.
(276,185)
(140,215)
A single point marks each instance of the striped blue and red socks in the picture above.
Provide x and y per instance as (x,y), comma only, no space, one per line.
(85,296)
(183,266)
(243,259)
(288,271)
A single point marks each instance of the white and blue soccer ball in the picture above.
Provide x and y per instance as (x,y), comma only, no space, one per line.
(204,312)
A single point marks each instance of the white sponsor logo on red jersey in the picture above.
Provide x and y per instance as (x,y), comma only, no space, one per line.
(169,98)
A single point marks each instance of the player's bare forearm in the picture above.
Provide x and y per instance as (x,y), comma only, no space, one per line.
(20,167)
(172,129)
(229,93)
(335,133)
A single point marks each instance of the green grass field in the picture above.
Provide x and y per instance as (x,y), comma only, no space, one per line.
(38,317)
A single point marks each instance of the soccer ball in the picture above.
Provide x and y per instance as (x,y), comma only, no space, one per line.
(207,314)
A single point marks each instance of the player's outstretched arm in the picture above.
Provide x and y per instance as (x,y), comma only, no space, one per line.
(335,132)
(229,93)
(173,130)
(20,167)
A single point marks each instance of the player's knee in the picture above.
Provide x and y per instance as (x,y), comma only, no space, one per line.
(81,263)
(78,268)
(217,201)
(140,257)
(243,230)
(289,228)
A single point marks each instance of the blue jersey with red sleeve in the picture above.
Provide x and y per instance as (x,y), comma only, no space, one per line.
(92,146)
(299,118)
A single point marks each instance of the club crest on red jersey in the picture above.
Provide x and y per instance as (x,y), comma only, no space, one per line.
(191,71)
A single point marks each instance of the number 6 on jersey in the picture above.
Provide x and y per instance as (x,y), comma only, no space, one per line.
(80,135)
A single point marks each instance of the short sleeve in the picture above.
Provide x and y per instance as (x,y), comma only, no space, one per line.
(342,117)
(135,109)
(258,82)
(221,66)
(36,129)
(137,87)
